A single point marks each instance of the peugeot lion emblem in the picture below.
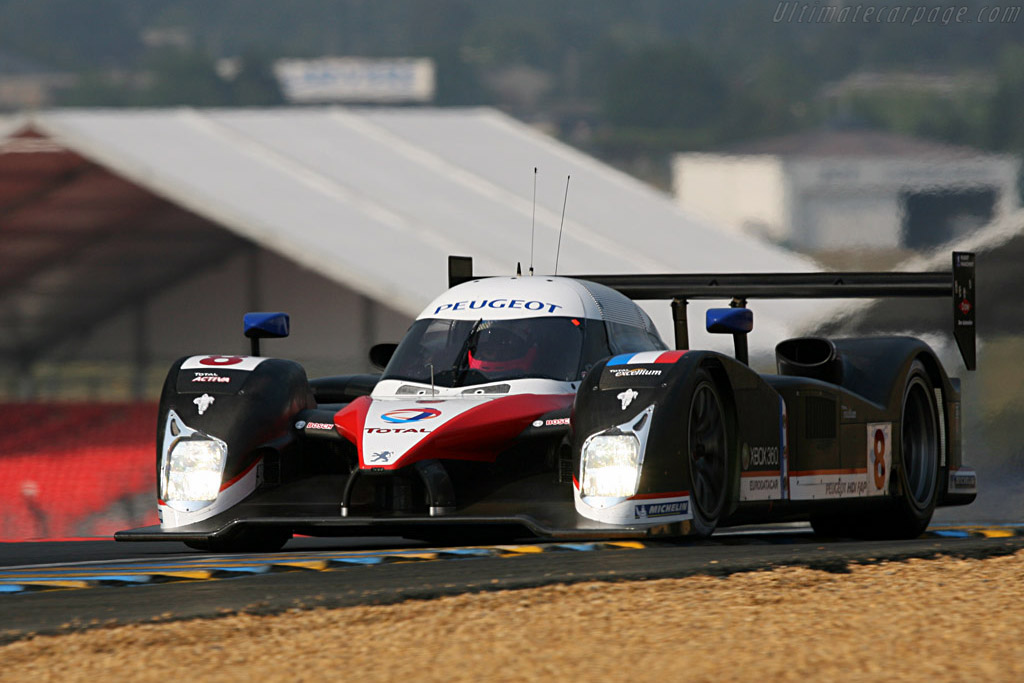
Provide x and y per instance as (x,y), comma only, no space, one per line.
(204,402)
(627,397)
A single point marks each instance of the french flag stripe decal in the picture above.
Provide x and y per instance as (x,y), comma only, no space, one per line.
(646,357)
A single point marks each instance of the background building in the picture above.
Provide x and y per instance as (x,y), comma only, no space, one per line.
(871,195)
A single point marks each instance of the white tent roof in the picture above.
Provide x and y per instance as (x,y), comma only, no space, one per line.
(376,199)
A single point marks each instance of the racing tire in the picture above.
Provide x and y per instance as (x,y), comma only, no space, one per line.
(245,541)
(707,453)
(919,457)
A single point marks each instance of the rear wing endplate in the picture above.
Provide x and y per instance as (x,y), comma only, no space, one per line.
(958,285)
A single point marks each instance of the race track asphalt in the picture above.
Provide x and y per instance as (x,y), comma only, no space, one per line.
(47,587)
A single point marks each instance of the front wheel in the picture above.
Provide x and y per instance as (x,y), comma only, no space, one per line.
(707,455)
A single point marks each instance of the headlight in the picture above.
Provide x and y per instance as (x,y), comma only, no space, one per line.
(611,465)
(194,470)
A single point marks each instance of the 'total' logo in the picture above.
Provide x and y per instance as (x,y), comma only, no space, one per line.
(405,415)
(221,360)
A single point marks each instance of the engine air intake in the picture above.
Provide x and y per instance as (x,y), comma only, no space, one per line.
(813,357)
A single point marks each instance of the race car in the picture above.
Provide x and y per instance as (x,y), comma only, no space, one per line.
(551,406)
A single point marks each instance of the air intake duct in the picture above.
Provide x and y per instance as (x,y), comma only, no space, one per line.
(813,357)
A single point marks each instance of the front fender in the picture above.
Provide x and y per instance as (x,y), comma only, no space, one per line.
(755,420)
(245,403)
(616,392)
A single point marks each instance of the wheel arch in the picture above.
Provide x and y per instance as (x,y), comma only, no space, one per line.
(939,381)
(723,384)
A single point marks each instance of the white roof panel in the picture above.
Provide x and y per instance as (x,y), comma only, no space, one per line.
(376,199)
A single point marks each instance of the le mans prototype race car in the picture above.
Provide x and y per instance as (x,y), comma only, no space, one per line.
(550,406)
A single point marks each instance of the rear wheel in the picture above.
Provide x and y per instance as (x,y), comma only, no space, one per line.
(919,473)
(707,454)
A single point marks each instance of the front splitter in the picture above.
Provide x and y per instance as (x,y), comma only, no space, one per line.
(579,528)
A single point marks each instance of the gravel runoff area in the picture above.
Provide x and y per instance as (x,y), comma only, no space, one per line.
(936,620)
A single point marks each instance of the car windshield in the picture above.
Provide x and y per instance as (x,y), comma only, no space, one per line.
(467,352)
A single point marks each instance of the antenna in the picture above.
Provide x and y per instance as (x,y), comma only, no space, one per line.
(533,219)
(564,201)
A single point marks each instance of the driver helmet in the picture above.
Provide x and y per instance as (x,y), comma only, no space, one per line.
(503,347)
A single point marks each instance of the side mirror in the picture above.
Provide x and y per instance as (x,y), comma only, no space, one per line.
(736,321)
(380,354)
(265,326)
(730,320)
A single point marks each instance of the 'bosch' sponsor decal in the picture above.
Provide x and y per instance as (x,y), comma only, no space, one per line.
(320,425)
(655,510)
(556,422)
(404,415)
(480,304)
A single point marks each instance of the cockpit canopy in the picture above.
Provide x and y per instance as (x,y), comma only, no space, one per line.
(557,328)
(465,353)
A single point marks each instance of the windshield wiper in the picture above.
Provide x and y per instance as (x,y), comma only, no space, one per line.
(461,366)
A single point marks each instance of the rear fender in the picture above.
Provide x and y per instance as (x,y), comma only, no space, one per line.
(877,369)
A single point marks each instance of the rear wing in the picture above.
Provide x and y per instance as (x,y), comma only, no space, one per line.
(957,284)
